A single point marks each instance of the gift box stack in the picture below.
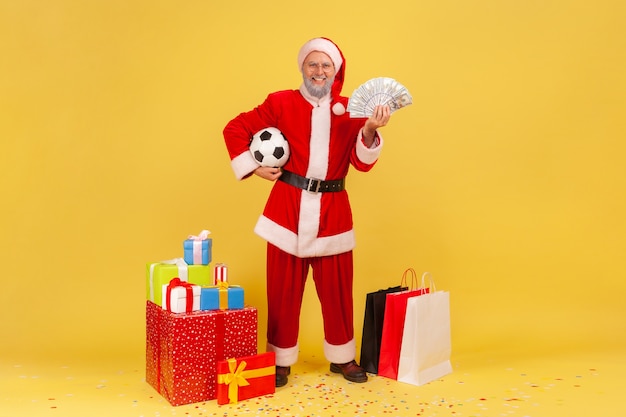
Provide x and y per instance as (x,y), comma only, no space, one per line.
(198,324)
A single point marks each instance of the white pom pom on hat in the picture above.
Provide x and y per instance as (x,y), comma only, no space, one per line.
(339,109)
(321,45)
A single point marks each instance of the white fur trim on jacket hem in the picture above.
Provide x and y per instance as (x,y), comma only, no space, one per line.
(340,353)
(288,241)
(365,154)
(243,165)
(284,356)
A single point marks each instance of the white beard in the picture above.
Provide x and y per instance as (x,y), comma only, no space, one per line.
(317,91)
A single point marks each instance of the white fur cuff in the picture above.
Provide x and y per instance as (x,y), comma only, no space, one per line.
(243,165)
(284,356)
(365,154)
(340,353)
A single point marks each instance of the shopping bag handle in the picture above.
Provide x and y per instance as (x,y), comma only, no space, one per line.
(404,280)
(431,283)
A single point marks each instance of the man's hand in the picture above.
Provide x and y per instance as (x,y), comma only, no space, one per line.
(378,119)
(269,173)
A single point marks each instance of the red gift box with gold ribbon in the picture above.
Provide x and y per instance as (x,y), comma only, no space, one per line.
(247,377)
(182,350)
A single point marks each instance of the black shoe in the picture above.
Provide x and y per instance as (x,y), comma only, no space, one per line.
(281,375)
(350,371)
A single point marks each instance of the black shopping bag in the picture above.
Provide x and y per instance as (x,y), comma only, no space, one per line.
(373,327)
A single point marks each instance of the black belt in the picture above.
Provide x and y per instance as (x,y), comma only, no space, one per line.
(311,184)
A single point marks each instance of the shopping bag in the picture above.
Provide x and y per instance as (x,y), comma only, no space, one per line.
(395,312)
(373,327)
(426,345)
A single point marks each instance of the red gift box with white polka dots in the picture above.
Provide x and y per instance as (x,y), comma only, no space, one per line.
(182,349)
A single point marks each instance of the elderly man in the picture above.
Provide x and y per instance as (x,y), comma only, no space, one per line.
(307,220)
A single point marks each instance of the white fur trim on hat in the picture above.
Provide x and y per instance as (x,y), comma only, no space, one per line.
(321,45)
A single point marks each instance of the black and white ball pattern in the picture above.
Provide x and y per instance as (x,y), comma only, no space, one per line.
(269,147)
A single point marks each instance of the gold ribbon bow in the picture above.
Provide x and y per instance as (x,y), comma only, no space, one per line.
(237,377)
(222,287)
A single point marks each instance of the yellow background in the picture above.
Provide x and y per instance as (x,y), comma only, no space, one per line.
(505,178)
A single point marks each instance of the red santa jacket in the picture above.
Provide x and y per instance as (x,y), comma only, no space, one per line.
(323,144)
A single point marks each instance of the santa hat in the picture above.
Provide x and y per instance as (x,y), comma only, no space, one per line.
(328,47)
(321,45)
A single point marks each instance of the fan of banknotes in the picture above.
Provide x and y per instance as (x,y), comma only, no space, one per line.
(381,90)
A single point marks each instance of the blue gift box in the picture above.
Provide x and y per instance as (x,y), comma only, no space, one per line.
(198,252)
(221,298)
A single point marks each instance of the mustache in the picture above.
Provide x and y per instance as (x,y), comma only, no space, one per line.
(318,91)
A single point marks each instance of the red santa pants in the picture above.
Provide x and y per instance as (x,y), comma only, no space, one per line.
(286,277)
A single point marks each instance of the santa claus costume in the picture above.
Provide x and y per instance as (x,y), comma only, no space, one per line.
(307,220)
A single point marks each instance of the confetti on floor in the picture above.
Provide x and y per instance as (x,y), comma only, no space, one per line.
(479,387)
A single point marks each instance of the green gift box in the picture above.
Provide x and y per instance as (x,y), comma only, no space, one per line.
(161,273)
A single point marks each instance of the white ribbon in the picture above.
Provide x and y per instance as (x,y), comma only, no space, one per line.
(182,272)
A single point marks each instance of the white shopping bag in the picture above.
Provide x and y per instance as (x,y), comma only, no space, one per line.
(426,345)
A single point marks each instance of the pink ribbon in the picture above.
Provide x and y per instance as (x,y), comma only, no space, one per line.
(197,245)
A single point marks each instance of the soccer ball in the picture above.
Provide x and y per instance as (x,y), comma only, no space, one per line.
(269,147)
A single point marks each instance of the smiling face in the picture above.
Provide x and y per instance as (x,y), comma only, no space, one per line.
(318,73)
